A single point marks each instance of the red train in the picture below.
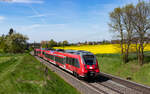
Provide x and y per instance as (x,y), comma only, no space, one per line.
(82,64)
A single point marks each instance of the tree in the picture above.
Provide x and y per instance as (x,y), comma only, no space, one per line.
(45,44)
(59,44)
(52,43)
(11,31)
(2,42)
(116,25)
(19,43)
(141,23)
(127,12)
(133,24)
(15,43)
(65,43)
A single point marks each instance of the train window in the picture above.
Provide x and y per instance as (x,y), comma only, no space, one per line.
(49,56)
(67,60)
(77,63)
(89,59)
(46,55)
(62,60)
(73,62)
(59,59)
(52,57)
(56,59)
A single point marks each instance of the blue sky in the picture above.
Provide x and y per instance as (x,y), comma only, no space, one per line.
(72,20)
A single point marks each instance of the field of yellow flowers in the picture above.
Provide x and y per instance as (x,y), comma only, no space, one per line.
(102,49)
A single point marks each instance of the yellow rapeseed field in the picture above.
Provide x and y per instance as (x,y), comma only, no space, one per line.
(102,49)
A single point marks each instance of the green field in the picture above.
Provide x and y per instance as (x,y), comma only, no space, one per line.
(112,64)
(1,50)
(23,74)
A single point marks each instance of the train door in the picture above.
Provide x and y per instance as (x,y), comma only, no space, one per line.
(54,59)
(41,53)
(64,62)
(71,64)
(67,64)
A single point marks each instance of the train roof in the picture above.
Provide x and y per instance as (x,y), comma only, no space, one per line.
(76,52)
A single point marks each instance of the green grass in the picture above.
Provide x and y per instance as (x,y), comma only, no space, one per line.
(1,50)
(23,74)
(112,64)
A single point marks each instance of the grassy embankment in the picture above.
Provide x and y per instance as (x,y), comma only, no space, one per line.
(1,50)
(23,74)
(112,64)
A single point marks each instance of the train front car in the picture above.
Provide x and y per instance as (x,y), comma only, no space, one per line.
(90,64)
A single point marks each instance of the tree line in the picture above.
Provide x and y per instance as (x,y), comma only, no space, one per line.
(132,25)
(53,43)
(13,42)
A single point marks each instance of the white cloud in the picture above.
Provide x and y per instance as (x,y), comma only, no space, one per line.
(34,27)
(2,18)
(23,1)
(40,15)
(31,27)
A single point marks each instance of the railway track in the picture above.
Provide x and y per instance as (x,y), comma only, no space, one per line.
(111,87)
(104,84)
(128,84)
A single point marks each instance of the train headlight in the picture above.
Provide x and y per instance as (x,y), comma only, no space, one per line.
(82,70)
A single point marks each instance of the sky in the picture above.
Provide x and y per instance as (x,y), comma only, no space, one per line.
(71,20)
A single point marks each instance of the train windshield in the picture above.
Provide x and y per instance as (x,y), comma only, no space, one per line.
(89,59)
